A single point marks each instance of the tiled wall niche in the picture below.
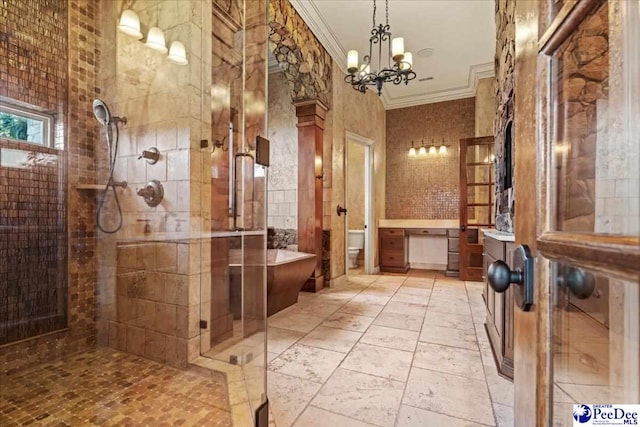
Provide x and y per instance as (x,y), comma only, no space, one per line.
(426,187)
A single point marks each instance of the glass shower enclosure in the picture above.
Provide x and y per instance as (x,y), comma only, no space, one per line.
(132,212)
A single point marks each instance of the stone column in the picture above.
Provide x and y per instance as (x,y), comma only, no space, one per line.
(311,114)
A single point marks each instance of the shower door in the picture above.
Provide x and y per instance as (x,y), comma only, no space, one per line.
(233,295)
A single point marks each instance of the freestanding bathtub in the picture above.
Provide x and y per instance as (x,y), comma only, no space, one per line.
(287,272)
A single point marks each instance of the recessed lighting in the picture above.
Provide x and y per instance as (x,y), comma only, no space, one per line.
(425,53)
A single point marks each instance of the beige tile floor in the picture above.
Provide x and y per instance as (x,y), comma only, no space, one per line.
(387,350)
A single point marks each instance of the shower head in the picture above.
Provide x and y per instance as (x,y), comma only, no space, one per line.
(103,115)
(101,111)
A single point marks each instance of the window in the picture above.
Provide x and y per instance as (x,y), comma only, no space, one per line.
(26,125)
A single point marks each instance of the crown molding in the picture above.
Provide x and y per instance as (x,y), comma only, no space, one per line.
(476,73)
(318,25)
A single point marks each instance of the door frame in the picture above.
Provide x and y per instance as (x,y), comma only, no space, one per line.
(466,271)
(535,211)
(369,201)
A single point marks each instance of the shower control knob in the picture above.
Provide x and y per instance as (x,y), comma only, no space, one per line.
(153,193)
(152,155)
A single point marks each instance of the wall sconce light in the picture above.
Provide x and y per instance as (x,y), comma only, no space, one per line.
(422,151)
(412,150)
(155,40)
(177,53)
(219,144)
(319,171)
(432,149)
(443,148)
(130,24)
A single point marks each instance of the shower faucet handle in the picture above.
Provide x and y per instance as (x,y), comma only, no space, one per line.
(152,155)
(152,193)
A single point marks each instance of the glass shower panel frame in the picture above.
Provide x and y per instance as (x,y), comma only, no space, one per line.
(233,201)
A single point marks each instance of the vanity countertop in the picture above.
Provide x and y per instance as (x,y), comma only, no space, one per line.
(499,235)
(419,223)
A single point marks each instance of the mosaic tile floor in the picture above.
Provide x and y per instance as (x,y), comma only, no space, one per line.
(390,350)
(104,387)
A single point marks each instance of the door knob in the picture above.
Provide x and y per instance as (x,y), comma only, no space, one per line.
(340,210)
(581,283)
(500,276)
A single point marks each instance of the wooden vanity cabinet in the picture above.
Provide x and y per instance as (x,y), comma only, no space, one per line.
(500,306)
(394,250)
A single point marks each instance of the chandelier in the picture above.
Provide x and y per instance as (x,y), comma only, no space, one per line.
(396,67)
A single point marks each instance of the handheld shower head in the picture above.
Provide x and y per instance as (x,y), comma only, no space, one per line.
(103,115)
(101,111)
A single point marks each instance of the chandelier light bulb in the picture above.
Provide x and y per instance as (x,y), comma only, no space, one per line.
(155,40)
(130,24)
(352,61)
(407,62)
(397,49)
(177,53)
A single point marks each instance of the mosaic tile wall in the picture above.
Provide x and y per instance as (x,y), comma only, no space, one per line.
(32,178)
(426,187)
(49,57)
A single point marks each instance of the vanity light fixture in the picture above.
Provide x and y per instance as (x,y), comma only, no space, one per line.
(412,150)
(423,150)
(432,149)
(155,40)
(130,24)
(443,148)
(177,53)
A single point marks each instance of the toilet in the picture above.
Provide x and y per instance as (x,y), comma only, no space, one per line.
(355,243)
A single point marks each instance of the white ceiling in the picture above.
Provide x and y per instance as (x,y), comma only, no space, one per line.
(460,32)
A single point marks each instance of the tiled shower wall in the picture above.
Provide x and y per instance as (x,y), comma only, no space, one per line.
(33,177)
(145,306)
(283,173)
(426,187)
(28,50)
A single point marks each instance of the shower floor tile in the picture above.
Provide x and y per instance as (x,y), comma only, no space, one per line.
(106,387)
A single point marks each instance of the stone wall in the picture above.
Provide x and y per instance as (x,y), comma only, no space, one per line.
(305,62)
(426,187)
(583,115)
(504,95)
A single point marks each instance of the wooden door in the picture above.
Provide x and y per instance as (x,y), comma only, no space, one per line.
(476,202)
(577,196)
